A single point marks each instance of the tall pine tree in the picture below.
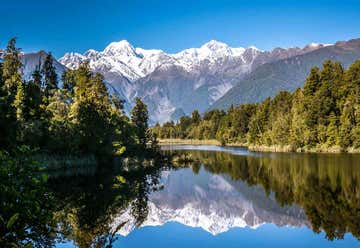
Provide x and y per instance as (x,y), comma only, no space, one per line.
(50,76)
(140,118)
(12,68)
(10,81)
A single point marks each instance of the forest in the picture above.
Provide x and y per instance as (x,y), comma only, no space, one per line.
(323,115)
(73,114)
(72,118)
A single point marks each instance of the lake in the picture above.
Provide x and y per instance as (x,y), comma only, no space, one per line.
(220,197)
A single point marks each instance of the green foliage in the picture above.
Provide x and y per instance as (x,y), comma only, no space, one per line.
(9,82)
(50,76)
(96,196)
(11,68)
(81,118)
(325,113)
(140,117)
(26,209)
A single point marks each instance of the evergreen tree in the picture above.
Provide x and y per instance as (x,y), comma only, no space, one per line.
(90,114)
(312,83)
(60,129)
(299,132)
(258,124)
(11,68)
(332,130)
(34,95)
(184,124)
(9,82)
(50,76)
(68,80)
(140,117)
(19,103)
(37,77)
(195,117)
(4,122)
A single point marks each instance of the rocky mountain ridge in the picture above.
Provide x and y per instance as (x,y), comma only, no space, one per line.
(181,82)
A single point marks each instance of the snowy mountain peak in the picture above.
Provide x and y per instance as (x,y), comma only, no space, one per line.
(215,45)
(133,63)
(122,47)
(72,60)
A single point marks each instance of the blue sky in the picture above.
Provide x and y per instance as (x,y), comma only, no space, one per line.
(78,25)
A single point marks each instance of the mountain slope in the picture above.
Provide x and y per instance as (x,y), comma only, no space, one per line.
(194,78)
(174,88)
(31,62)
(176,83)
(286,74)
(127,69)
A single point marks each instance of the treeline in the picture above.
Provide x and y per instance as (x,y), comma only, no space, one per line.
(325,113)
(78,118)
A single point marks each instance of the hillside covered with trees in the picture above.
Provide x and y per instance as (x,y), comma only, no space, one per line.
(323,115)
(78,118)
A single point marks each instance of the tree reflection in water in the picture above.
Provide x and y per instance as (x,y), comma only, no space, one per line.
(81,204)
(326,186)
(89,200)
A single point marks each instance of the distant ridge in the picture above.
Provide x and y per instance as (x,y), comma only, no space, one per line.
(286,74)
(214,75)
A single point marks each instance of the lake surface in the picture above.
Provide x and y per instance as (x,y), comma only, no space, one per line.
(224,197)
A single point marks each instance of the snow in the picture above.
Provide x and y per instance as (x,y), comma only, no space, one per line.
(141,62)
(135,63)
(212,51)
(122,60)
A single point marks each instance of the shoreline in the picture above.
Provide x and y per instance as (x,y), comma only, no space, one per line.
(260,148)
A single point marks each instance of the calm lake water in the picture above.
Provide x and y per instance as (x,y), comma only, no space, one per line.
(225,197)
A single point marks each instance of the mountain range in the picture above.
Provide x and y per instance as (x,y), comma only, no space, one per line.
(212,76)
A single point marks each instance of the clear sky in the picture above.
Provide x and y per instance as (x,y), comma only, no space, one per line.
(78,25)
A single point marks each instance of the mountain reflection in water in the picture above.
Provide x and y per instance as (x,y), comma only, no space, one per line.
(223,190)
(216,190)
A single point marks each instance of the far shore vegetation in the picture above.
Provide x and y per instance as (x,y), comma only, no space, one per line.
(323,116)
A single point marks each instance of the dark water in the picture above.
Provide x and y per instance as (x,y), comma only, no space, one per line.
(224,197)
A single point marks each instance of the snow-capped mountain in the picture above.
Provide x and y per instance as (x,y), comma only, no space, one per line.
(213,203)
(122,60)
(135,63)
(176,83)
